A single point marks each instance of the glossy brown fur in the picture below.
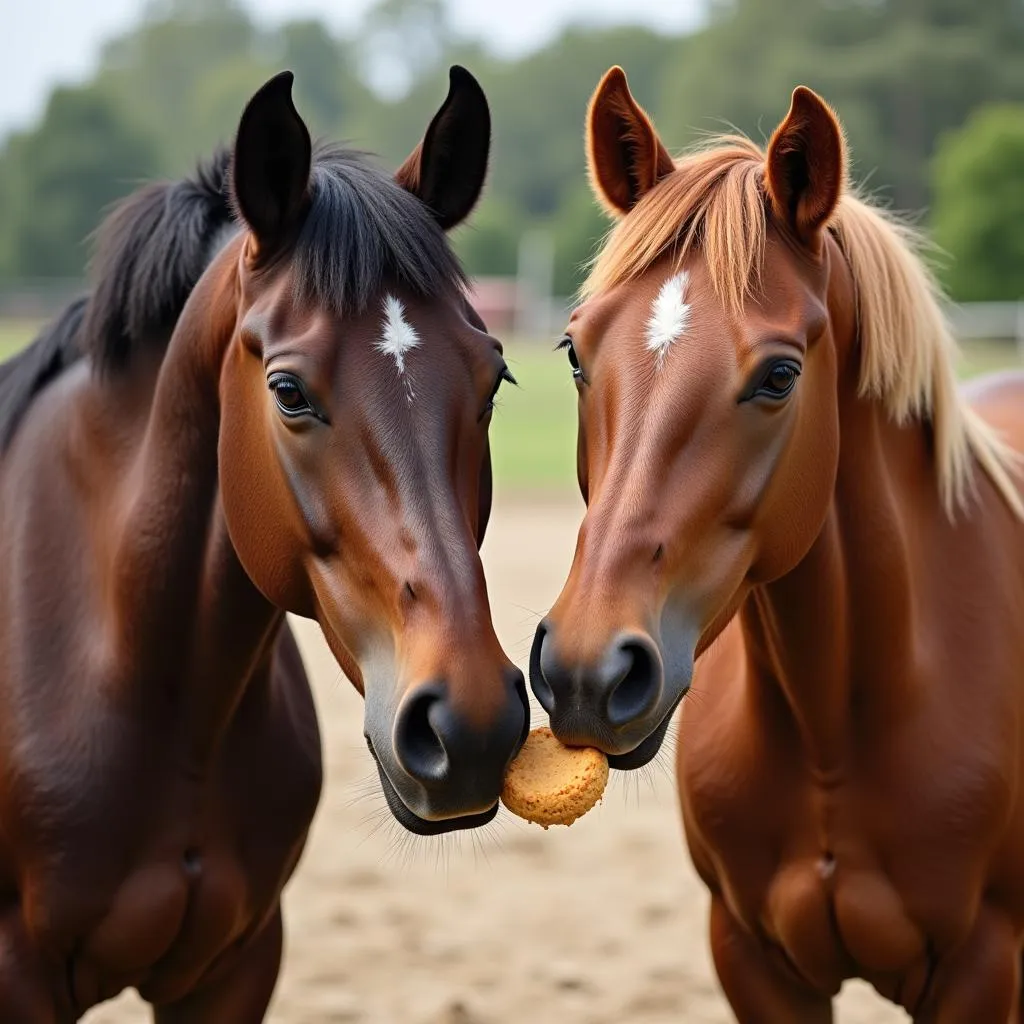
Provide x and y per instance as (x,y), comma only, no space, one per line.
(850,755)
(160,759)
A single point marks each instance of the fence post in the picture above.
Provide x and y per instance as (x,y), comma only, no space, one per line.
(533,284)
(1020,330)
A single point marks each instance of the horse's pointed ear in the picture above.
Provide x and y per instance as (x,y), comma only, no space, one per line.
(271,163)
(625,157)
(805,170)
(447,169)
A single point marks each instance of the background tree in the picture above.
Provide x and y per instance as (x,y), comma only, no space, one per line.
(184,73)
(901,73)
(403,41)
(979,205)
(56,181)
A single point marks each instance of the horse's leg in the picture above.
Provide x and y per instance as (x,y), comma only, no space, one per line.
(758,992)
(978,984)
(240,994)
(25,997)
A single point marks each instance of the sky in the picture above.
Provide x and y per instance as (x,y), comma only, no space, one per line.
(46,42)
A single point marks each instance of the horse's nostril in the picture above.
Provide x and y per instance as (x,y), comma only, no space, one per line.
(524,699)
(538,678)
(639,687)
(451,751)
(418,745)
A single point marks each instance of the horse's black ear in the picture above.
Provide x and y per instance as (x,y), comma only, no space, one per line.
(447,169)
(270,168)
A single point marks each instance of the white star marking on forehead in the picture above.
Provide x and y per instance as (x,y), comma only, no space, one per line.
(398,337)
(670,316)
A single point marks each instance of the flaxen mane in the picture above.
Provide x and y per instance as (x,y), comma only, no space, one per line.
(714,201)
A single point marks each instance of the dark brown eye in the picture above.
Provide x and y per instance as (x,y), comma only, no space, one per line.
(570,351)
(779,380)
(289,394)
(504,376)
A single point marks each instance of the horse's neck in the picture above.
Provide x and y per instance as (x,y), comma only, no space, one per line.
(191,622)
(837,633)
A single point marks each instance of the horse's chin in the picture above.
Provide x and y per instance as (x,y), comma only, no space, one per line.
(422,826)
(647,751)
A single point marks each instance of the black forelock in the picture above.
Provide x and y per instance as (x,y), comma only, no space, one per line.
(363,229)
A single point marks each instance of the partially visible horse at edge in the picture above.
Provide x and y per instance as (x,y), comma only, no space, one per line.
(285,410)
(794,510)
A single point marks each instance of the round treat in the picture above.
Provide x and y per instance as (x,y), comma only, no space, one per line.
(551,784)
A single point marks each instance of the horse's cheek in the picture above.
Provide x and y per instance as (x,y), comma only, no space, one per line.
(261,517)
(801,489)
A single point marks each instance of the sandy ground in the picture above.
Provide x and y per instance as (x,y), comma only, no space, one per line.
(600,923)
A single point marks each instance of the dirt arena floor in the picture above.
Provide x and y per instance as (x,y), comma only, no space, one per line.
(601,923)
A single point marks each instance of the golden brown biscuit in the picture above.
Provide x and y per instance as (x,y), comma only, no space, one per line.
(551,784)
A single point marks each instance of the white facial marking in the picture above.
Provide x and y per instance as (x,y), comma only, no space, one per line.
(670,316)
(399,336)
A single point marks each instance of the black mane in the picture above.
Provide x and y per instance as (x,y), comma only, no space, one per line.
(23,376)
(362,229)
(150,252)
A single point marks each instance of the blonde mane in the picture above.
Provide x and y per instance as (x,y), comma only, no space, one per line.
(714,201)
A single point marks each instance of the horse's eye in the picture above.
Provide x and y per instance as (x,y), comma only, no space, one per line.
(504,376)
(570,351)
(289,394)
(779,380)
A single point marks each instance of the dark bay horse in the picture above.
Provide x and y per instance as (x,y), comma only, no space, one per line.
(791,504)
(285,410)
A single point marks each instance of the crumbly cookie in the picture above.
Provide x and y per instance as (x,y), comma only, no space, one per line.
(551,784)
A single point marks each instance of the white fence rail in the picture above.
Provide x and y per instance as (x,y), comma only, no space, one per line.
(986,321)
(534,314)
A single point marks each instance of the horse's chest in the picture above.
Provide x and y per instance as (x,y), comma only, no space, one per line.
(823,898)
(857,876)
(834,919)
(165,923)
(166,870)
(151,908)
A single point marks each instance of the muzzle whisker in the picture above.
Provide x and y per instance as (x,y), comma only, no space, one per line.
(697,697)
(381,819)
(497,832)
(523,644)
(530,611)
(365,790)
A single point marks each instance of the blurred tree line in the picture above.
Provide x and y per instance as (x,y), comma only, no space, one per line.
(928,91)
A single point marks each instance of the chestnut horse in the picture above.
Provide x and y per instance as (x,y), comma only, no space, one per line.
(312,438)
(785,486)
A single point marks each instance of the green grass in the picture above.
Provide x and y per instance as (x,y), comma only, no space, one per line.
(985,356)
(15,334)
(533,431)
